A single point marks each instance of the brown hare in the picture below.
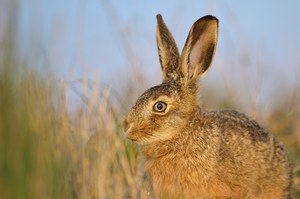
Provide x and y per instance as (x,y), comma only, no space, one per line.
(196,153)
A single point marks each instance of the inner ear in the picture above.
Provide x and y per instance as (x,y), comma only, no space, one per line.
(200,61)
(199,48)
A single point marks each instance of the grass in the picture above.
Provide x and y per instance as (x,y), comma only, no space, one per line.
(48,152)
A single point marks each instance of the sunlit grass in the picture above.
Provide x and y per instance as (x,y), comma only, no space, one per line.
(47,153)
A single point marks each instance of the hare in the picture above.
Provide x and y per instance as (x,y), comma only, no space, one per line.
(191,152)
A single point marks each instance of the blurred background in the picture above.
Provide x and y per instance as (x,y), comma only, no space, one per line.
(69,71)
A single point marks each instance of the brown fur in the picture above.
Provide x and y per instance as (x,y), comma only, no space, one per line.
(195,153)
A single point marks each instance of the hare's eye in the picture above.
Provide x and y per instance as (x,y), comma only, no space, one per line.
(160,106)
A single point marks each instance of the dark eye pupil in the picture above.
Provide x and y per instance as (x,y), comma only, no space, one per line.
(159,106)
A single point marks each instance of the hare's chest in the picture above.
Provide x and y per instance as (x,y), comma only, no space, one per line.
(176,176)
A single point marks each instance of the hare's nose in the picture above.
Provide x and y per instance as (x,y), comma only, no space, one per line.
(127,125)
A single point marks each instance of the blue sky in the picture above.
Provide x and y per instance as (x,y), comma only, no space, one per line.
(258,43)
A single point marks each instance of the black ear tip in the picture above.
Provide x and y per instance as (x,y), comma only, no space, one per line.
(158,17)
(208,18)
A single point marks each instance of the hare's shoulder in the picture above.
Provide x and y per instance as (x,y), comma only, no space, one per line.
(233,122)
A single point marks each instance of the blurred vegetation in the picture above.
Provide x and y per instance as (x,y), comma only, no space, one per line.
(48,151)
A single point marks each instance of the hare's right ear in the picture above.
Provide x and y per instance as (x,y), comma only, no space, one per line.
(167,50)
(199,48)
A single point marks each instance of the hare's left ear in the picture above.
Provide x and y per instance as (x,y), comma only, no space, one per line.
(167,51)
(199,48)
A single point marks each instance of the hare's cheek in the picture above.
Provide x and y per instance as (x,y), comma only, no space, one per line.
(158,122)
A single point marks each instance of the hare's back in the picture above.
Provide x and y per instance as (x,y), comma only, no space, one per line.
(244,137)
(239,125)
(257,154)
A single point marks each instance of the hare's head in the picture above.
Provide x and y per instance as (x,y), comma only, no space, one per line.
(163,110)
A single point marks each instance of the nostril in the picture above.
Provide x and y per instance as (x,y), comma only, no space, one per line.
(126,125)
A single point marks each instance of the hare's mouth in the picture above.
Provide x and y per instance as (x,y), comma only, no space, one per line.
(136,136)
(132,139)
(129,135)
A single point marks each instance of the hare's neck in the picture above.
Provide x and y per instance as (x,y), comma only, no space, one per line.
(157,149)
